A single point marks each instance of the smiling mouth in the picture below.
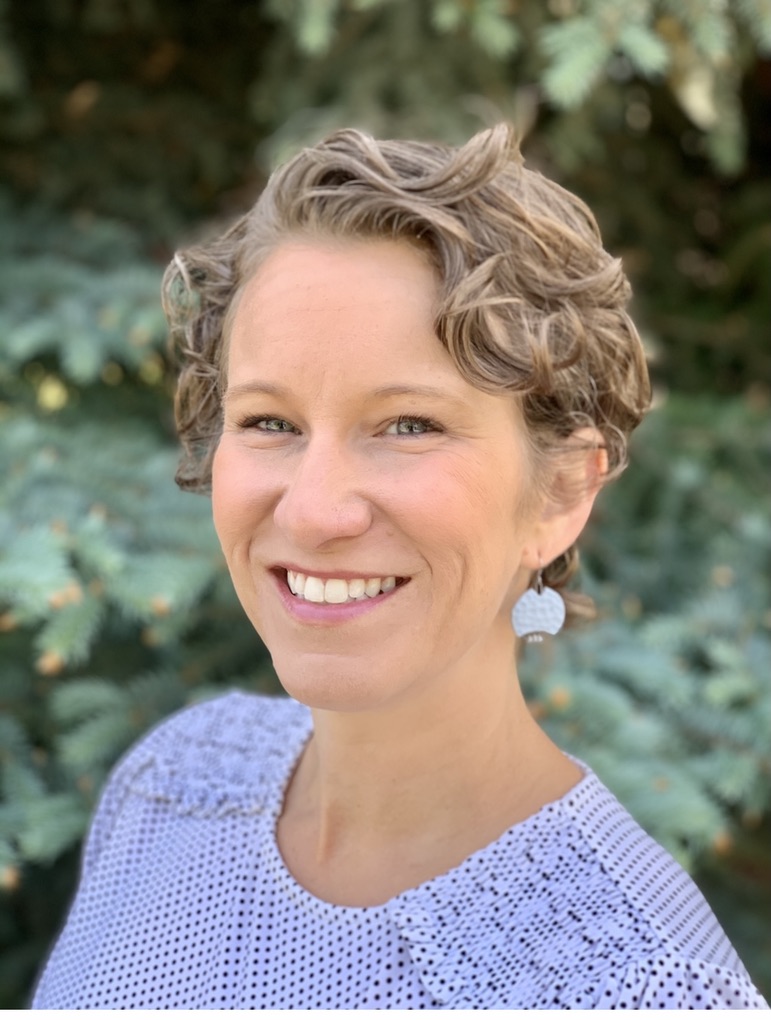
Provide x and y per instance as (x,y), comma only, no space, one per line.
(338,590)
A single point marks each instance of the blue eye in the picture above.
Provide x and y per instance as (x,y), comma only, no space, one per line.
(266,423)
(412,425)
(275,425)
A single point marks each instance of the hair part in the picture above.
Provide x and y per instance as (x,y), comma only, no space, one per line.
(529,301)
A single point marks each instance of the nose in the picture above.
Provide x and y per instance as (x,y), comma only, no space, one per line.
(323,497)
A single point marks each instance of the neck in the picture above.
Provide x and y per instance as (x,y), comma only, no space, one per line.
(454,768)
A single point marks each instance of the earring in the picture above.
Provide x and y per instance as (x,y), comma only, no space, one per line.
(538,611)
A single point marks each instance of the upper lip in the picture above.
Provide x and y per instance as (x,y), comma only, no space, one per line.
(343,575)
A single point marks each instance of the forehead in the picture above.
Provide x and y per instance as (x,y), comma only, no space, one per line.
(347,322)
(334,275)
(320,256)
(322,301)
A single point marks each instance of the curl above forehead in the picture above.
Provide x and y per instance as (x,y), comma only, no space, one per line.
(466,205)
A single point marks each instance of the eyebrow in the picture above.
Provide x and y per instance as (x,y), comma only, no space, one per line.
(394,390)
(399,390)
(270,389)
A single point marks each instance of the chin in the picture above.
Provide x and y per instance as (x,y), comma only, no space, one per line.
(331,686)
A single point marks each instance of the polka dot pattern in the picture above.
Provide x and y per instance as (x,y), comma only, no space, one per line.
(185,902)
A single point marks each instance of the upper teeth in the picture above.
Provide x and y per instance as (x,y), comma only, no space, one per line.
(335,589)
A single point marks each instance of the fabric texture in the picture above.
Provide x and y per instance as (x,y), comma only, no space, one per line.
(185,902)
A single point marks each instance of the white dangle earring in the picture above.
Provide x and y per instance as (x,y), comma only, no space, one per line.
(538,611)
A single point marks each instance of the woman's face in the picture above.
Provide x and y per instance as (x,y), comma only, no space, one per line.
(355,455)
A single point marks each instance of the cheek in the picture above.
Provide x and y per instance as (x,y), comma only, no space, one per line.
(239,498)
(466,508)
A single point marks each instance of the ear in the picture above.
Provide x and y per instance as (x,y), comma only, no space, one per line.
(577,475)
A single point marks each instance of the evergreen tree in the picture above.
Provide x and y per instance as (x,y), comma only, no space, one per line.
(124,128)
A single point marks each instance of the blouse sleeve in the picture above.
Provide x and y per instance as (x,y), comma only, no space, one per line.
(109,805)
(118,787)
(112,798)
(669,982)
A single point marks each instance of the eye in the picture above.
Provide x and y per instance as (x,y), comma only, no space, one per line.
(267,423)
(412,425)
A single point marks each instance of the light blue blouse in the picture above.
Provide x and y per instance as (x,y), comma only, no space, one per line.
(185,902)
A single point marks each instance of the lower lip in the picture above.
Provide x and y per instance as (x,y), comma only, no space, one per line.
(328,613)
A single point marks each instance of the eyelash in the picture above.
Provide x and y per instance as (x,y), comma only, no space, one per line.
(256,422)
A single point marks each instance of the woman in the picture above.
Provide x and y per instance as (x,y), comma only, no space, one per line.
(407,372)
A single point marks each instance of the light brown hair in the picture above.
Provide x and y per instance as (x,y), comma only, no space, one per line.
(530,302)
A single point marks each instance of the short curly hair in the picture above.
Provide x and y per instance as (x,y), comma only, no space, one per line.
(530,302)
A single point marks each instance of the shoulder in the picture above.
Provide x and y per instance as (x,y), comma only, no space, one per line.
(577,907)
(684,960)
(212,758)
(636,870)
(673,982)
(236,727)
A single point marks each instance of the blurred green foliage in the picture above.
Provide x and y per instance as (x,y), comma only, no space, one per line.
(126,127)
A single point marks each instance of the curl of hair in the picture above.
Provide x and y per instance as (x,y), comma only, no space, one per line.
(530,302)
